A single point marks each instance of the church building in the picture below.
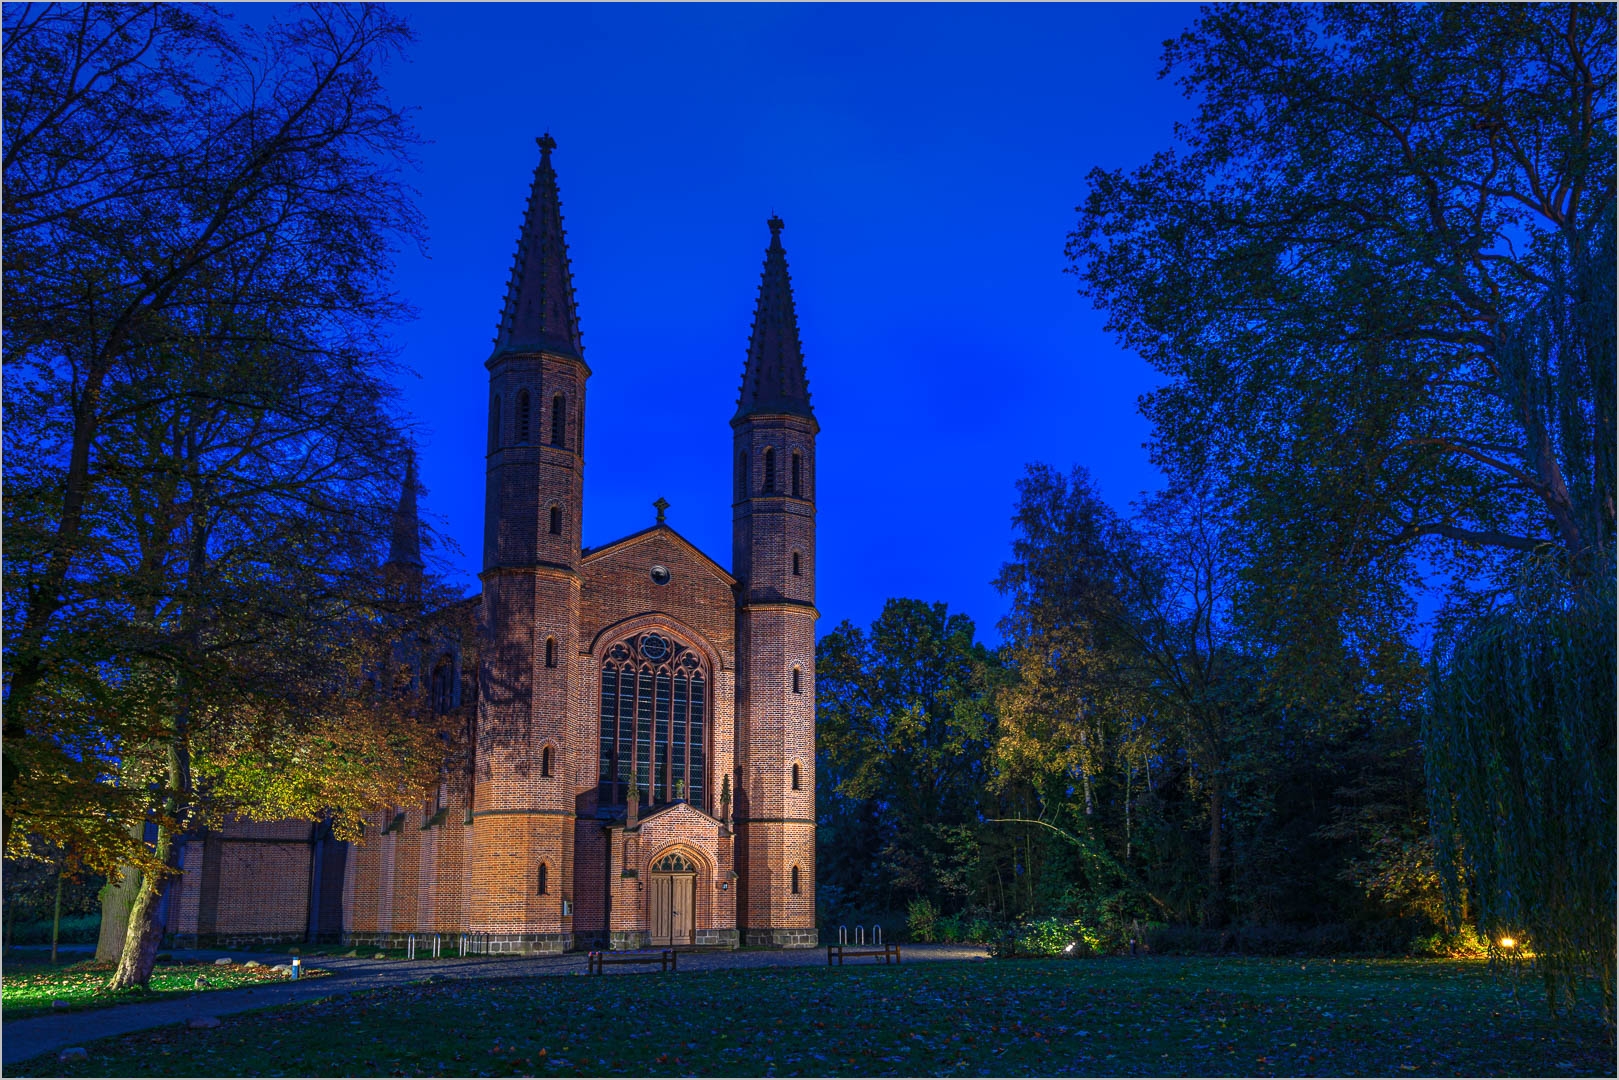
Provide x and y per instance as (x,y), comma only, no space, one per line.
(639,753)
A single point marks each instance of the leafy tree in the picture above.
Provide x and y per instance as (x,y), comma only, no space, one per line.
(1132,621)
(905,719)
(149,154)
(1377,274)
(200,439)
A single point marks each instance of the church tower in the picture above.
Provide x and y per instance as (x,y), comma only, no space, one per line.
(521,859)
(773,559)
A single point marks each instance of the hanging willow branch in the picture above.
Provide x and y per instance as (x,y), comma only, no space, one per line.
(1520,749)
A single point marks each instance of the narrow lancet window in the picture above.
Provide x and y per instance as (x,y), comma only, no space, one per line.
(556,521)
(796,571)
(795,881)
(798,472)
(545,884)
(795,776)
(522,417)
(550,652)
(798,681)
(770,472)
(559,421)
(494,423)
(545,762)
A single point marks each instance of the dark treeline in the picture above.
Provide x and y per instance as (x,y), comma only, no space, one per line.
(1124,760)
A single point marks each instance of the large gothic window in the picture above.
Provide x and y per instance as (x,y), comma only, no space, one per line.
(654,711)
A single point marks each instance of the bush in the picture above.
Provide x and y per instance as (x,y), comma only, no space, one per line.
(1052,936)
(76,929)
(1463,944)
(922,920)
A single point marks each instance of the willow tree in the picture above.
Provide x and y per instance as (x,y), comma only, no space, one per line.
(1520,760)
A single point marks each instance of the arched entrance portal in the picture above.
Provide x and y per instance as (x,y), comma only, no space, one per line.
(673,900)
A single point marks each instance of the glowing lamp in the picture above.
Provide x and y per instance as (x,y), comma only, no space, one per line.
(1509,943)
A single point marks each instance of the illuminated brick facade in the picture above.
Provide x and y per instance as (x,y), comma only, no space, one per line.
(638,757)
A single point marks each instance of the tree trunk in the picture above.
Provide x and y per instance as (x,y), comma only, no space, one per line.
(56,916)
(1214,907)
(145,933)
(116,903)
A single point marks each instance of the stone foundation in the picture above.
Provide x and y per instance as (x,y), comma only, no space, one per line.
(477,944)
(718,939)
(232,941)
(784,938)
(629,939)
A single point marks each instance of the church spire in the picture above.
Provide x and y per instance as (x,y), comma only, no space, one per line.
(773,380)
(539,312)
(405,545)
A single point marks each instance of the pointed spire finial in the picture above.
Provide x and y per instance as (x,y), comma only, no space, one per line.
(539,312)
(774,381)
(661,505)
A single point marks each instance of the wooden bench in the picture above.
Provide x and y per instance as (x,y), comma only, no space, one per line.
(667,960)
(888,953)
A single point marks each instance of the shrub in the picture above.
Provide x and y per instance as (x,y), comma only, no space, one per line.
(1465,943)
(76,929)
(922,920)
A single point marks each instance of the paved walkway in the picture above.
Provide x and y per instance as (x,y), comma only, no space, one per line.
(26,1038)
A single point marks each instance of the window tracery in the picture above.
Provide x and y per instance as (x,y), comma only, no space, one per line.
(654,712)
(674,863)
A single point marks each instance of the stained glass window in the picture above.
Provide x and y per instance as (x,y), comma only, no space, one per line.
(653,699)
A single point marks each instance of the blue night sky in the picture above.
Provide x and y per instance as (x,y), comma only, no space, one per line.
(926,160)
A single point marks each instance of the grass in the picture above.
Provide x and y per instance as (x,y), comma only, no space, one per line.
(1165,1016)
(28,987)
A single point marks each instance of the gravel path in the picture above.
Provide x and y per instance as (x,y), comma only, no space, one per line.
(26,1038)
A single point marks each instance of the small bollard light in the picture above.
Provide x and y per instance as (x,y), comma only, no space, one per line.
(1509,943)
(297,967)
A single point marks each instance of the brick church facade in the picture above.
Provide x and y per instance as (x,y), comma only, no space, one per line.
(637,759)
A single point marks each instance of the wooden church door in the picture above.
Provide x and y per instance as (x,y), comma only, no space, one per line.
(672,901)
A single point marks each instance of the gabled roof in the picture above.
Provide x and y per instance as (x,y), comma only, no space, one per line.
(592,554)
(773,380)
(539,313)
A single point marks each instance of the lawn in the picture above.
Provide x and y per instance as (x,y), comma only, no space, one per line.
(29,986)
(1163,1016)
